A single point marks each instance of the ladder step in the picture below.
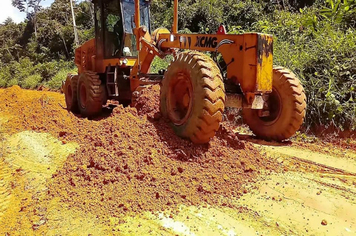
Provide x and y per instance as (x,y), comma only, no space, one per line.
(112,83)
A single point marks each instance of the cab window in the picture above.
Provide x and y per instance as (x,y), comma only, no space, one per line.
(129,14)
(113,32)
(130,48)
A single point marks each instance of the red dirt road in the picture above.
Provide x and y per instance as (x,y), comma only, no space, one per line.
(61,173)
(127,163)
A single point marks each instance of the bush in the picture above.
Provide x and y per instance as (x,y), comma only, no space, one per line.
(2,83)
(322,53)
(28,75)
(4,76)
(47,70)
(160,64)
(15,72)
(12,82)
(50,69)
(56,82)
(31,82)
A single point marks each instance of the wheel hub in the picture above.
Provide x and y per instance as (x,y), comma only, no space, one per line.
(186,100)
(180,98)
(274,108)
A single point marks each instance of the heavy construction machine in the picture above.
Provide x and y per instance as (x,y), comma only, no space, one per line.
(196,87)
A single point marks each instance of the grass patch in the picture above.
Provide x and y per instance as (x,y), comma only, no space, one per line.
(31,81)
(56,82)
(12,82)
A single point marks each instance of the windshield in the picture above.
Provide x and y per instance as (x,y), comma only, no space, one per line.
(113,30)
(129,14)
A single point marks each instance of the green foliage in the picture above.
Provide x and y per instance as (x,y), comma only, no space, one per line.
(46,34)
(25,73)
(339,11)
(322,52)
(33,52)
(50,69)
(10,34)
(24,5)
(56,82)
(12,82)
(2,82)
(160,64)
(31,81)
(205,16)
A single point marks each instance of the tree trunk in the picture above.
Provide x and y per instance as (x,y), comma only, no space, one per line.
(35,10)
(64,43)
(74,25)
(35,25)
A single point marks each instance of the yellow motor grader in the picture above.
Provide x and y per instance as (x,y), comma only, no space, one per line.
(116,65)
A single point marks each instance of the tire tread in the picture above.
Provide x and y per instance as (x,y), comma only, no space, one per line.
(293,87)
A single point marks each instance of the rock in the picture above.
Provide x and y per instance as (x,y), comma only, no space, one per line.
(324,222)
(36,225)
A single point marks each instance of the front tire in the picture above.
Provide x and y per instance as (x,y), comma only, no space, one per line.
(287,106)
(193,96)
(71,93)
(90,94)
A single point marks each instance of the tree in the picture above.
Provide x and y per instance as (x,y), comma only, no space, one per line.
(10,33)
(31,7)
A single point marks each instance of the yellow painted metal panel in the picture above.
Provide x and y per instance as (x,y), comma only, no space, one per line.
(264,64)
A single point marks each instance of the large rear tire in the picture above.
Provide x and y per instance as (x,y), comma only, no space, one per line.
(193,96)
(287,106)
(71,93)
(90,94)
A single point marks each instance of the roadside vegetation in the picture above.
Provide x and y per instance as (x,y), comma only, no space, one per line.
(315,39)
(40,50)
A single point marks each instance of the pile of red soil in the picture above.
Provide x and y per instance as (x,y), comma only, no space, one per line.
(129,163)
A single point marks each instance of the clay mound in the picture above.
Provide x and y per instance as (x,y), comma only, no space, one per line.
(148,103)
(13,92)
(129,163)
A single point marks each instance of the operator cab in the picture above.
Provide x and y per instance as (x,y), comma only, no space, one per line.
(114,25)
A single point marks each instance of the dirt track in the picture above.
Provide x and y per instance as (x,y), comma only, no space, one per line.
(127,173)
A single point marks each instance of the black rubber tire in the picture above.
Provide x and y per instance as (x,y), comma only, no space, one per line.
(104,97)
(71,93)
(207,100)
(290,112)
(90,94)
